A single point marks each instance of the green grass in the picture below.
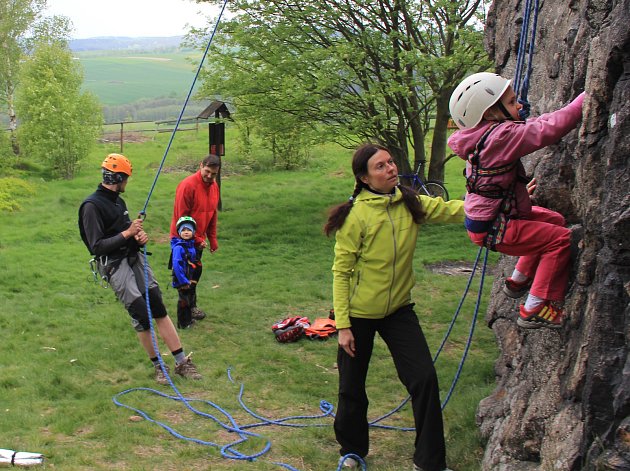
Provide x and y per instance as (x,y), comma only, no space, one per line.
(124,78)
(68,347)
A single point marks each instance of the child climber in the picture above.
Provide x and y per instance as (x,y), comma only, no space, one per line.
(499,214)
(186,269)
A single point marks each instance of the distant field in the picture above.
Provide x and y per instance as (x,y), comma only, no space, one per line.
(121,78)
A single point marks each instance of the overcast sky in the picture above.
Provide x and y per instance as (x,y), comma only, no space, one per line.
(132,18)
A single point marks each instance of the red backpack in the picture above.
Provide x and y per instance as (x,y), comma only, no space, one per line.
(290,329)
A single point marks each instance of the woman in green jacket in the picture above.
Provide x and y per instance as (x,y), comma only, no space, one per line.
(376,232)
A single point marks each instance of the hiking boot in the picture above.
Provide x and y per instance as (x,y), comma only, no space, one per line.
(545,315)
(187,369)
(160,377)
(187,326)
(515,289)
(198,313)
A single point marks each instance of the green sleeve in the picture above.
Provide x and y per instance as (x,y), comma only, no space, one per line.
(347,249)
(437,210)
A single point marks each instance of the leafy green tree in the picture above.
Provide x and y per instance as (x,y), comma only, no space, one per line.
(287,137)
(16,19)
(354,70)
(59,122)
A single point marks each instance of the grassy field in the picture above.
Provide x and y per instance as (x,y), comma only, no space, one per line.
(119,79)
(68,349)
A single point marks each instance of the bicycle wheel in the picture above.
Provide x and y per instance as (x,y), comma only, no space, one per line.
(436,189)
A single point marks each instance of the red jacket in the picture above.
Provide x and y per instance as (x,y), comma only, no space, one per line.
(199,200)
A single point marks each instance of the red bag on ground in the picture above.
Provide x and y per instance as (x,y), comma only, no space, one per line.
(290,329)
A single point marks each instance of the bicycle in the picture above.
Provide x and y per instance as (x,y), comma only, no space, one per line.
(432,188)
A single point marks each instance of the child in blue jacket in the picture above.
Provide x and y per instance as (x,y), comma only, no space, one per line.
(186,269)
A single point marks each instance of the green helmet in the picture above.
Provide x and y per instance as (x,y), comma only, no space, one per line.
(188,221)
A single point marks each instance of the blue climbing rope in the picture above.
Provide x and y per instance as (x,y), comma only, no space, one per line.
(325,406)
(473,322)
(228,450)
(181,113)
(229,424)
(375,422)
(526,47)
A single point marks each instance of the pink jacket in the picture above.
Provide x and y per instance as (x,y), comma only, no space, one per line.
(507,143)
(199,200)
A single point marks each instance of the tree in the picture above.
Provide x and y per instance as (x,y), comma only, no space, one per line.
(59,123)
(16,19)
(355,70)
(451,40)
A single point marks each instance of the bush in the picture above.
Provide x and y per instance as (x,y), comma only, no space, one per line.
(13,190)
(5,145)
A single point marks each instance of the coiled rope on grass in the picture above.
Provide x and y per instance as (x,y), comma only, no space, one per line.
(228,423)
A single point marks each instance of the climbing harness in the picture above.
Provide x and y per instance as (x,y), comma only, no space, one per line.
(493,191)
(496,231)
(521,86)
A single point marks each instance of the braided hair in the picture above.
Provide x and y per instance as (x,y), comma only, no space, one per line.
(338,214)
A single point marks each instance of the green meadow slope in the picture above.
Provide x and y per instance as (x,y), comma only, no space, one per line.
(123,78)
(68,348)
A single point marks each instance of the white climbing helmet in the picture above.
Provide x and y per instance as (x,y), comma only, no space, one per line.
(474,95)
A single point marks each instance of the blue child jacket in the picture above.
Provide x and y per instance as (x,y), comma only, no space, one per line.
(184,254)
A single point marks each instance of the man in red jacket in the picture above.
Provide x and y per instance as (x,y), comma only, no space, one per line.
(197,196)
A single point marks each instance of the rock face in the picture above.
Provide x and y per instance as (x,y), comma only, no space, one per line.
(562,400)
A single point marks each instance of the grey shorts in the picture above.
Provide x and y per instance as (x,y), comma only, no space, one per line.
(128,281)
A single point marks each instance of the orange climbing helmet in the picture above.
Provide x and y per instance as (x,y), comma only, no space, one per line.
(117,163)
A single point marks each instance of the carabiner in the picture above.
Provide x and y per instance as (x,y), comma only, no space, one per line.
(97,277)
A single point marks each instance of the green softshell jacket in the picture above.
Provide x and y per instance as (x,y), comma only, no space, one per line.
(372,272)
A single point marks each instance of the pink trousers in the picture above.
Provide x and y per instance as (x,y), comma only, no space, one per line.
(543,246)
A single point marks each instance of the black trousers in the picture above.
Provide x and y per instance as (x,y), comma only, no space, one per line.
(403,336)
(184,307)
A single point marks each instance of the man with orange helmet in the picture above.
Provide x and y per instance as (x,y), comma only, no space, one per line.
(115,242)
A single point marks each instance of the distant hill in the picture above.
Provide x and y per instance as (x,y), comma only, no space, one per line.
(125,43)
(139,78)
